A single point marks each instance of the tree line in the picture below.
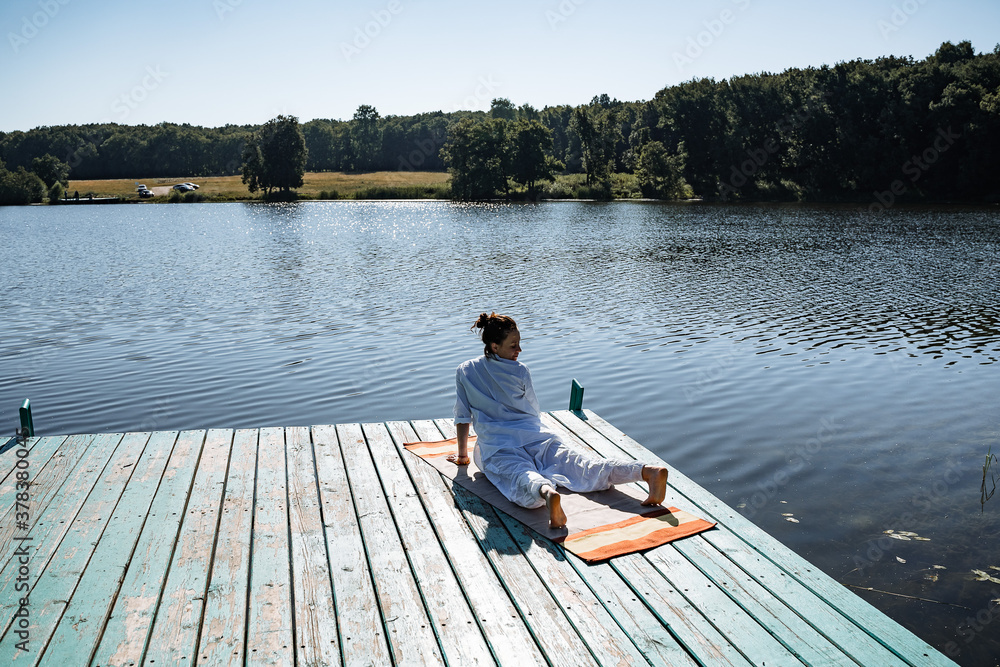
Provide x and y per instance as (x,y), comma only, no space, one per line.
(864,130)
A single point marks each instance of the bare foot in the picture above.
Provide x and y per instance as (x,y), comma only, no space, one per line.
(458,460)
(557,517)
(656,478)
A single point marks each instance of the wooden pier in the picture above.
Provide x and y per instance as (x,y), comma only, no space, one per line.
(331,545)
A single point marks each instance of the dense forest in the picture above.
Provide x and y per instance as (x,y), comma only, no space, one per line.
(864,130)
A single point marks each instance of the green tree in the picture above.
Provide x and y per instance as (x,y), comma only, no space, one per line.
(660,174)
(530,154)
(274,158)
(253,165)
(51,170)
(20,186)
(503,109)
(366,138)
(478,159)
(56,192)
(599,135)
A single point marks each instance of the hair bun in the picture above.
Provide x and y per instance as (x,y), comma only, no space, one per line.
(493,328)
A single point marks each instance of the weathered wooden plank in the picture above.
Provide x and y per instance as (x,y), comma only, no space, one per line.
(884,630)
(741,630)
(609,644)
(629,610)
(270,639)
(859,645)
(224,628)
(410,632)
(127,630)
(362,633)
(174,636)
(794,633)
(315,614)
(87,612)
(49,526)
(458,633)
(685,622)
(40,452)
(509,638)
(558,638)
(44,482)
(54,587)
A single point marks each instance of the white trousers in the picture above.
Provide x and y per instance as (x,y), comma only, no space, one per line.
(520,472)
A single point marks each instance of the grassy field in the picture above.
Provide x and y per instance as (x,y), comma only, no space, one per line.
(229,188)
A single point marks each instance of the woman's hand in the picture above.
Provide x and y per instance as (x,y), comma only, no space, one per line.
(458,460)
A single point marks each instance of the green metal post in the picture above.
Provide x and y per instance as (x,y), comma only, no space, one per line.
(26,422)
(576,397)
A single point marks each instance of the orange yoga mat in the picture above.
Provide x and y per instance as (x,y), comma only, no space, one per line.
(601,524)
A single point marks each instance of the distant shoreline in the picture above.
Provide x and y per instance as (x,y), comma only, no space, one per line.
(393,186)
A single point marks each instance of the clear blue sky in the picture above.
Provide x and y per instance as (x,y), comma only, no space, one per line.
(212,62)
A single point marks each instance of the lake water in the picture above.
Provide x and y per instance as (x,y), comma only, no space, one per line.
(820,364)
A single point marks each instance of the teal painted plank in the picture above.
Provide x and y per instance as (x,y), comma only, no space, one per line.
(797,636)
(270,615)
(509,639)
(80,627)
(685,622)
(315,616)
(54,587)
(411,636)
(609,644)
(461,639)
(361,631)
(40,451)
(742,631)
(827,620)
(127,629)
(545,617)
(629,610)
(887,632)
(44,482)
(53,523)
(224,628)
(174,636)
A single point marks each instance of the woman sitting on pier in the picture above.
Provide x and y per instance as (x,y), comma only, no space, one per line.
(524,459)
